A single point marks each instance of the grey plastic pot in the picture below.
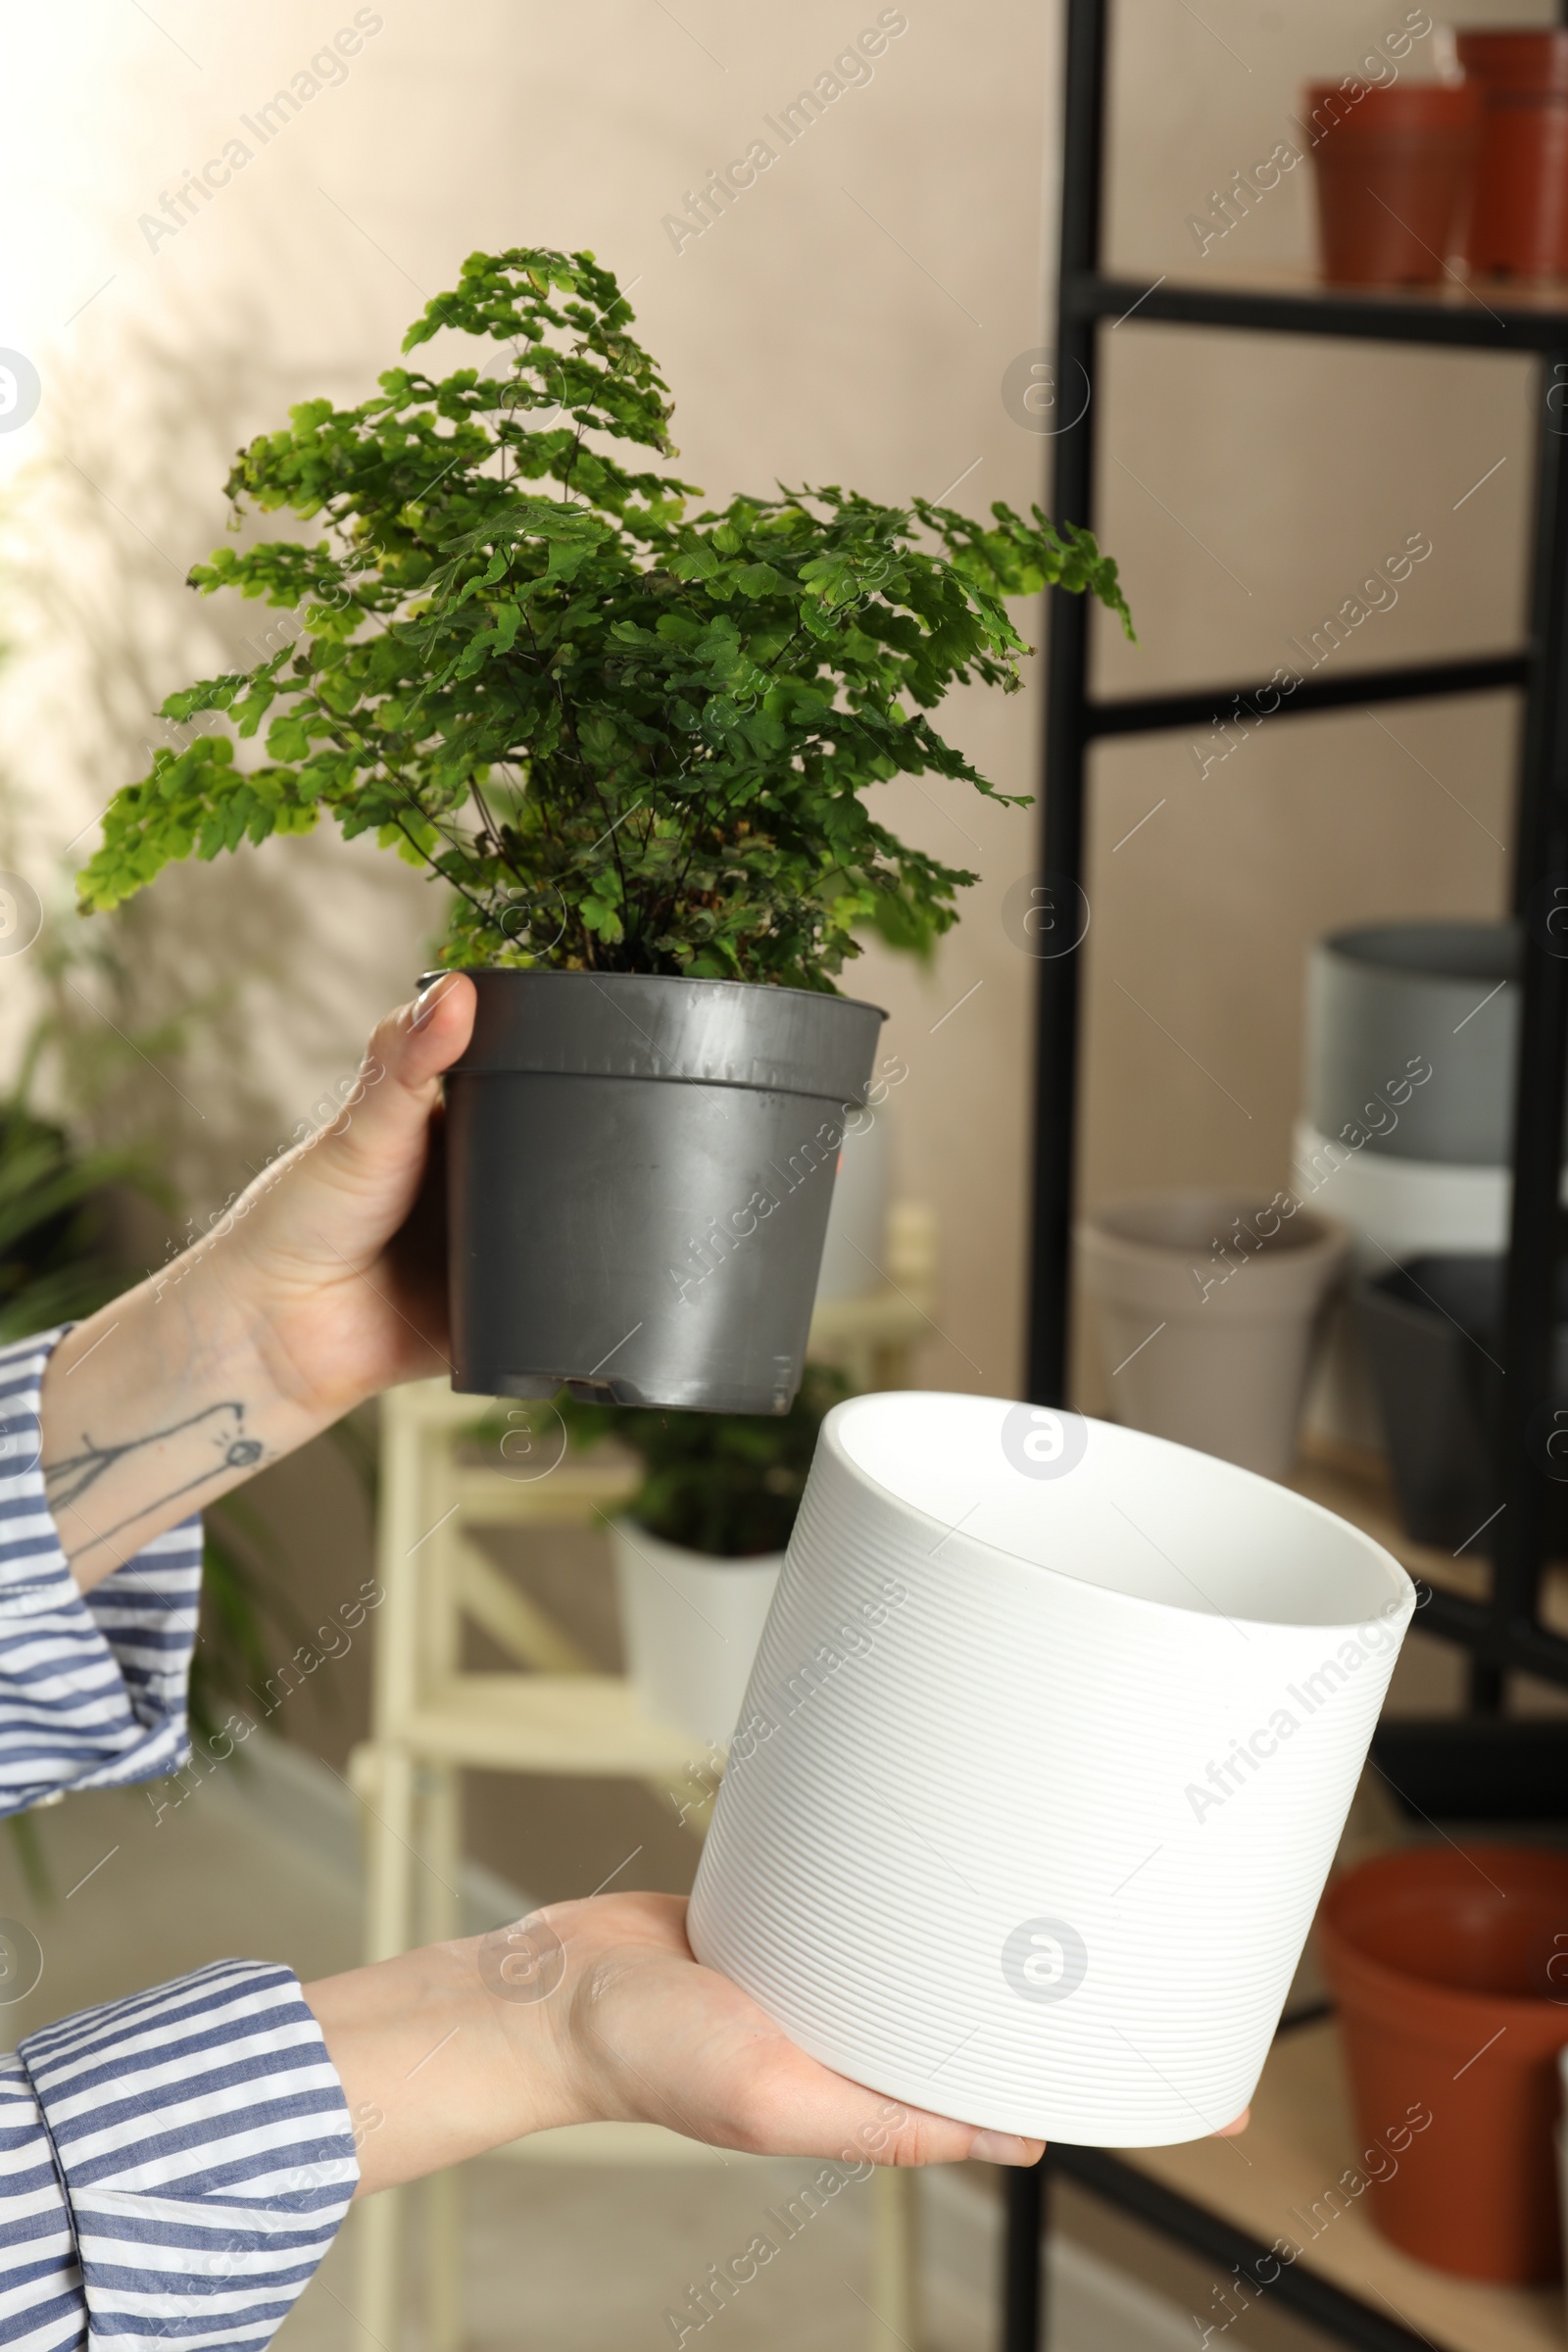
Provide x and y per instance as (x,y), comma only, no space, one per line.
(639,1172)
(1209,1307)
(1411,1039)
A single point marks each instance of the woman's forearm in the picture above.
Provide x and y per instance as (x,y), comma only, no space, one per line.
(434,2068)
(324,1284)
(591,2011)
(153,1408)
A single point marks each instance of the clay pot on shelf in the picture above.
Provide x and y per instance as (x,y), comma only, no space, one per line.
(1393,169)
(1209,1308)
(1449,1966)
(1520,222)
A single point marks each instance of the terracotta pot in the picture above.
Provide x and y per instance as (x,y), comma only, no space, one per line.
(1451,1970)
(1209,1308)
(1394,172)
(1520,225)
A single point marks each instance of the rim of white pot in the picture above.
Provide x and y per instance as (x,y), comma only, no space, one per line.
(969,1537)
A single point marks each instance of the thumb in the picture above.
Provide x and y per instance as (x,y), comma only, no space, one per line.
(376,1151)
(408,1052)
(424,1038)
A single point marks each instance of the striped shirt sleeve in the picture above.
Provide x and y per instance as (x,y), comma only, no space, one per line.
(173,2167)
(92,1686)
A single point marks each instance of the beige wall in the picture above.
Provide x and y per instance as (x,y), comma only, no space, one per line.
(850,320)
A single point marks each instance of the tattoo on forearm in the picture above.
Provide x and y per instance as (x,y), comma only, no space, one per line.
(66,1481)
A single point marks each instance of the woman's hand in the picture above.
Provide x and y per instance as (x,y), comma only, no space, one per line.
(323,1283)
(342,1252)
(594,2012)
(650,2035)
(598,2012)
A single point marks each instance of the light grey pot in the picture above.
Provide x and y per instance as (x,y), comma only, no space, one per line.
(1208,1326)
(1390,1001)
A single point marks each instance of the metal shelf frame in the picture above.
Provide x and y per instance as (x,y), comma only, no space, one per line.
(1503,1632)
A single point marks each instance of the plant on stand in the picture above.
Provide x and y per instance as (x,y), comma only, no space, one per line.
(640,746)
(698,1546)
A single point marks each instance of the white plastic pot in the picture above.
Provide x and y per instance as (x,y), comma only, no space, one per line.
(691,1625)
(1014,1825)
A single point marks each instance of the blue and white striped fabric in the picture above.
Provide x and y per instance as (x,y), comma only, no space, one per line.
(173,2166)
(206,2160)
(92,1687)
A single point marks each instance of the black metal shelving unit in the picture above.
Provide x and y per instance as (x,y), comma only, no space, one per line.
(1502,1633)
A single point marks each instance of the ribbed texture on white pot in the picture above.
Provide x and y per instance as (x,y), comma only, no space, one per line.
(984,1710)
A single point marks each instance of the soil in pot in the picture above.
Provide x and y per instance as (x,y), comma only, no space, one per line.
(1520,221)
(1393,171)
(1448,1968)
(639,1172)
(1209,1310)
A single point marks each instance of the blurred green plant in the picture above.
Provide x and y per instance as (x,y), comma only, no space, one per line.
(56,1267)
(725,1484)
(52,1269)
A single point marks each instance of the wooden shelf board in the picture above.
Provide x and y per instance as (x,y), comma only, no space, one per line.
(548,1723)
(618,2144)
(1299,2144)
(1304,281)
(574,1495)
(879,1316)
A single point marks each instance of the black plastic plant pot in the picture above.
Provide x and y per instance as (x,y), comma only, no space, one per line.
(639,1172)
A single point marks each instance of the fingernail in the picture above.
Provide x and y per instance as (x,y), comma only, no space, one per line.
(999,2147)
(430,995)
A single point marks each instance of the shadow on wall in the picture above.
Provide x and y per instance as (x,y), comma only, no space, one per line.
(253,964)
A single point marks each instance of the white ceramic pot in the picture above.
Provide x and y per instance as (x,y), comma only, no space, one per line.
(1400,1208)
(691,1625)
(855,1253)
(1048,1743)
(1209,1310)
